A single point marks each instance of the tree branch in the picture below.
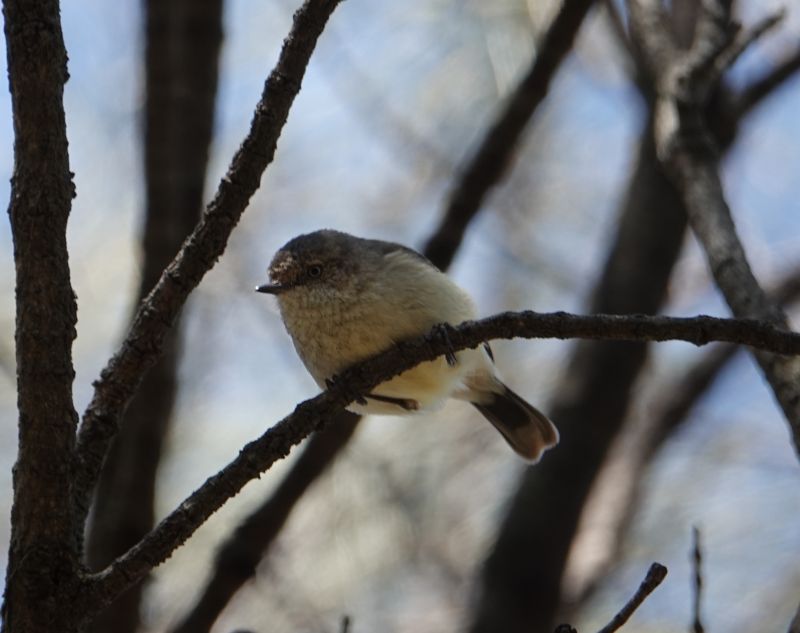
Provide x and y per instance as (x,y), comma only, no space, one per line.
(753,94)
(205,245)
(697,582)
(259,455)
(655,576)
(691,159)
(487,165)
(239,555)
(794,625)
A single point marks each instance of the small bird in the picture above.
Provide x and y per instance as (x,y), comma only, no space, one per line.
(344,299)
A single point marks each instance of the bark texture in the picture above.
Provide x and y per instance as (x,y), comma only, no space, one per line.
(42,577)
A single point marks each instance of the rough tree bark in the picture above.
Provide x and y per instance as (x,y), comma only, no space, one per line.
(43,574)
(183,39)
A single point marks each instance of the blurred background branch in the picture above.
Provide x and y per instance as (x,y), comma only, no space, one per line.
(686,150)
(183,40)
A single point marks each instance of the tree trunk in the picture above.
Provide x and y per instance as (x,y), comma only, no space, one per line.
(42,577)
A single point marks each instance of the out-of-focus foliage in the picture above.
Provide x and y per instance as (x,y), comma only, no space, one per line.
(395,98)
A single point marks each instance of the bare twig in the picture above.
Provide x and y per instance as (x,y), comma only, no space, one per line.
(486,166)
(655,576)
(697,581)
(794,625)
(756,92)
(153,321)
(746,38)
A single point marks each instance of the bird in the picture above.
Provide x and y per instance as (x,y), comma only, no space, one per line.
(344,299)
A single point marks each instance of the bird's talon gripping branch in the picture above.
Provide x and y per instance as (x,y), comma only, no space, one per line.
(442,331)
(356,397)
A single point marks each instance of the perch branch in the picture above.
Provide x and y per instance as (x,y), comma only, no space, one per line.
(259,455)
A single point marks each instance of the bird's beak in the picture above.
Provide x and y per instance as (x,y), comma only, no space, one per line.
(271,289)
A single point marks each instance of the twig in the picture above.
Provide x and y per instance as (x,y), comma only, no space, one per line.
(794,625)
(754,94)
(746,38)
(345,626)
(142,346)
(655,576)
(697,576)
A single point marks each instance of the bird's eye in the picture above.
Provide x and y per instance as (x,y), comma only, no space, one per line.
(314,271)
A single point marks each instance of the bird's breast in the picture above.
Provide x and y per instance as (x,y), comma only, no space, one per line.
(332,335)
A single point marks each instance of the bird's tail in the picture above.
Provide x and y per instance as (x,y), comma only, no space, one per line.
(527,430)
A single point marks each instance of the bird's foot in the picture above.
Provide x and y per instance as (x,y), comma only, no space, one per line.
(356,397)
(403,403)
(442,331)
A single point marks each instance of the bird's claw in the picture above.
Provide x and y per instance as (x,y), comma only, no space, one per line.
(442,331)
(356,397)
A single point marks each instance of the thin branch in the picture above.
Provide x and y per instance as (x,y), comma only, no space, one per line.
(746,38)
(238,557)
(486,166)
(655,576)
(697,581)
(259,455)
(158,311)
(794,625)
(691,159)
(754,94)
